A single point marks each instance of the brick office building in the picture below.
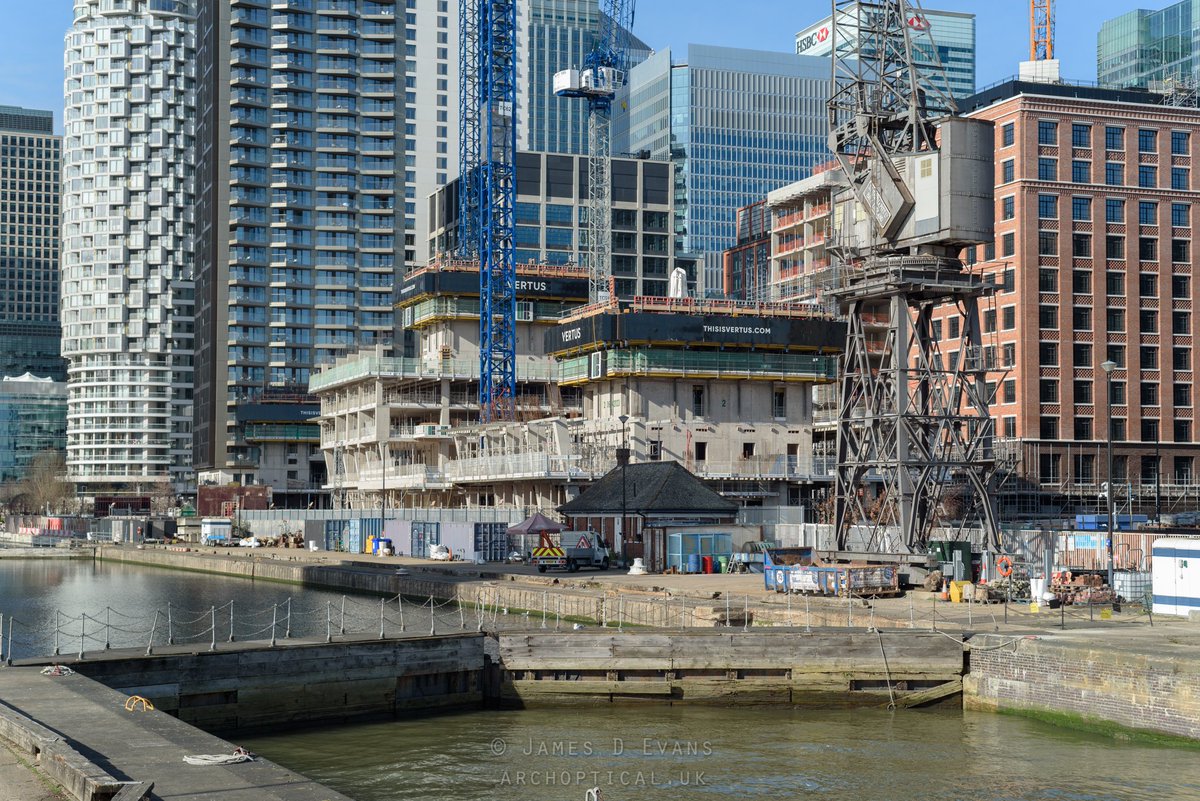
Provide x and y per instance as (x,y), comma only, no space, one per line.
(1096,204)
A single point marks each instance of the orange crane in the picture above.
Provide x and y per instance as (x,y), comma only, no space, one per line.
(1041,30)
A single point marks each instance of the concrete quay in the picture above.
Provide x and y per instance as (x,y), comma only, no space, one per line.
(80,734)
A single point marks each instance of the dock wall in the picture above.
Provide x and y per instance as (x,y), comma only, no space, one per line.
(258,686)
(1156,690)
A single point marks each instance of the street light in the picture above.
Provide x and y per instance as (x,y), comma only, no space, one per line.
(623,460)
(1108,366)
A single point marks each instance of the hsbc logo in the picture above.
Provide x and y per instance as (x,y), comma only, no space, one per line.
(918,22)
(812,40)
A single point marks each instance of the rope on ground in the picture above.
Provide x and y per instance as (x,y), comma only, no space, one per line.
(239,755)
(57,670)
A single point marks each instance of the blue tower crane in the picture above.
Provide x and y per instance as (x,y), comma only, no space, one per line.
(604,71)
(487,190)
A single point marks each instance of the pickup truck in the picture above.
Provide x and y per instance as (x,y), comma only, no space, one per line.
(588,550)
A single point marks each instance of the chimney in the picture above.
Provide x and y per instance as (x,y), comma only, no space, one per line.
(622,457)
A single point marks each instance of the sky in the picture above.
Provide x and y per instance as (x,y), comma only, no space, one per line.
(31,38)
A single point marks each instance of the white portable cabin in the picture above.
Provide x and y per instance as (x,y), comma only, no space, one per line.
(1176,576)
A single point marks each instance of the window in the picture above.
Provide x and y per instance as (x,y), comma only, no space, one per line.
(1116,429)
(989,321)
(1081,246)
(1008,244)
(1116,393)
(1048,354)
(1050,468)
(937,330)
(1047,132)
(1149,394)
(779,404)
(1009,316)
(1181,394)
(1181,322)
(1114,210)
(747,450)
(1081,209)
(1081,318)
(1149,430)
(989,251)
(1048,390)
(1179,215)
(1047,169)
(1148,321)
(1010,427)
(1147,176)
(1147,248)
(1114,247)
(1149,468)
(1047,243)
(1148,356)
(1048,428)
(1085,467)
(1007,134)
(1081,282)
(1081,135)
(1081,354)
(1114,283)
(1114,174)
(1179,143)
(1047,207)
(697,400)
(1010,391)
(1180,178)
(1183,430)
(1009,282)
(1007,211)
(701,451)
(1148,285)
(1147,140)
(1147,213)
(1180,286)
(1047,280)
(1180,248)
(953,327)
(1048,317)
(1114,138)
(1083,428)
(1008,354)
(1006,171)
(1081,172)
(1181,360)
(1114,320)
(1083,392)
(1116,355)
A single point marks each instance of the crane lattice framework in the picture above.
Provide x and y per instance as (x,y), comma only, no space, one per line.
(913,412)
(604,70)
(487,189)
(1041,30)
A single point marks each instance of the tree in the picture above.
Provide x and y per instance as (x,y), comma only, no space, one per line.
(45,487)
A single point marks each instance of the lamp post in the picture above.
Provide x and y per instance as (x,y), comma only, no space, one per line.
(1108,366)
(623,460)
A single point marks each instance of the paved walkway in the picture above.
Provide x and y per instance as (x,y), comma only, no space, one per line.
(145,746)
(20,781)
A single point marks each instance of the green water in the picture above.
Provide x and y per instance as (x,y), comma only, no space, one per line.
(708,754)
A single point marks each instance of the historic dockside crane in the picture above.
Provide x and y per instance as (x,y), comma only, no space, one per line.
(915,440)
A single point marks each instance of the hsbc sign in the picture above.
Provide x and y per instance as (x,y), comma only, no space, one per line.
(811,39)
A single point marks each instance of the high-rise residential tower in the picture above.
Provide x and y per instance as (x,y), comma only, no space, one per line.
(127,209)
(556,35)
(953,35)
(30,154)
(322,127)
(1141,46)
(735,124)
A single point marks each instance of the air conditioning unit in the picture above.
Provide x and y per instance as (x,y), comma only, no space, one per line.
(525,311)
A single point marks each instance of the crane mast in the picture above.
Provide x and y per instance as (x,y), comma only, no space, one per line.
(913,405)
(487,189)
(604,71)
(1041,30)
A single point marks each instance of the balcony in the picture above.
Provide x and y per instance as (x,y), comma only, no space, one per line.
(515,467)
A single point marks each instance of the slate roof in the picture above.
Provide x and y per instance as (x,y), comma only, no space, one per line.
(651,488)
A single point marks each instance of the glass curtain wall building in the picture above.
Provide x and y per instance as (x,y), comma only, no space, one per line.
(33,419)
(1142,46)
(321,124)
(735,124)
(953,35)
(30,155)
(556,35)
(127,228)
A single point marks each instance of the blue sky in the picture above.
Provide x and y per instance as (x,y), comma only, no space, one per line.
(31,37)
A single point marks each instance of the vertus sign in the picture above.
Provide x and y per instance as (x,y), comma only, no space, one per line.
(812,39)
